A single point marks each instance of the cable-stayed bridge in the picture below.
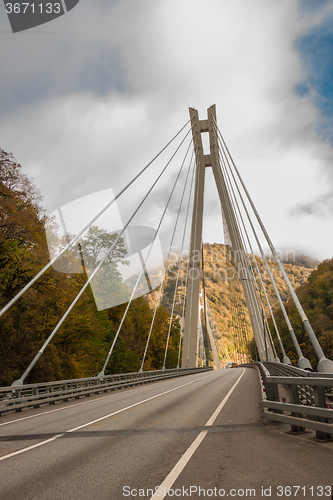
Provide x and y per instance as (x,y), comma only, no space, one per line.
(167,433)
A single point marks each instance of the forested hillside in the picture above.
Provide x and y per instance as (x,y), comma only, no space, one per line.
(80,347)
(226,301)
(316,296)
(225,297)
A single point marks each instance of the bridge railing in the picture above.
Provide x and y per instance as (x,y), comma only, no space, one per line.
(298,397)
(34,395)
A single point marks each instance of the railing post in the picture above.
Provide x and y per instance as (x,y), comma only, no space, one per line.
(320,401)
(272,392)
(76,387)
(35,393)
(50,390)
(18,395)
(294,398)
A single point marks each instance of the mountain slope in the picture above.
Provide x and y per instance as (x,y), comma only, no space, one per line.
(316,296)
(225,297)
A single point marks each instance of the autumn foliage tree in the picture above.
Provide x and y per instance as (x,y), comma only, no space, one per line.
(23,329)
(316,297)
(80,346)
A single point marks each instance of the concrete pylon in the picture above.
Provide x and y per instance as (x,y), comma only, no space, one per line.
(190,343)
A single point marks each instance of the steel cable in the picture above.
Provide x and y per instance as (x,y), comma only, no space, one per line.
(79,234)
(40,352)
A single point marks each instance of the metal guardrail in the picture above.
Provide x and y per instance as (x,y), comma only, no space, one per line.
(34,395)
(310,404)
(282,370)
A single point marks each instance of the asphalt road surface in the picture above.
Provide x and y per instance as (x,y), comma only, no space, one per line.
(198,436)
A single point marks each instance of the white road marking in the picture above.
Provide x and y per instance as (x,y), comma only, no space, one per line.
(182,462)
(23,450)
(31,447)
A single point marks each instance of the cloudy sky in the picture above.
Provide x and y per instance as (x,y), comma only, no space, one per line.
(89,98)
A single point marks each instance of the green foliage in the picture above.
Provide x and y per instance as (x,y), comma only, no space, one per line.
(135,331)
(316,297)
(80,346)
(97,243)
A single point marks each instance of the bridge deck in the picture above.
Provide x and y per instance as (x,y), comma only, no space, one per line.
(95,448)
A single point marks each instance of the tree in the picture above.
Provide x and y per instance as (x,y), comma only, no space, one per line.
(98,243)
(99,247)
(134,333)
(21,223)
(80,347)
(316,297)
(77,349)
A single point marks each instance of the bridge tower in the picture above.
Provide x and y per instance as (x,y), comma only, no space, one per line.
(191,331)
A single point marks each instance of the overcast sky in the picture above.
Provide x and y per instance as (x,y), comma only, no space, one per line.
(89,98)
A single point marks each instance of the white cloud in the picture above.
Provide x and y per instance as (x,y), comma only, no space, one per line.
(170,55)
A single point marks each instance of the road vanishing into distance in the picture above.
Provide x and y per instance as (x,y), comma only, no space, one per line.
(197,436)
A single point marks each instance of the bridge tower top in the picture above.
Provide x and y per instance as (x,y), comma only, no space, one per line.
(190,344)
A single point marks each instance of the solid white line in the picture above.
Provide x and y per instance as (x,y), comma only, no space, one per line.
(180,465)
(31,447)
(73,406)
(23,450)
